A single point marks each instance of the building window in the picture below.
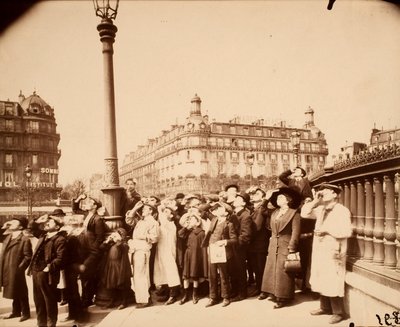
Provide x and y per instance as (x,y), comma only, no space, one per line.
(203,155)
(34,159)
(308,159)
(234,142)
(188,155)
(260,157)
(34,126)
(35,143)
(284,146)
(240,143)
(220,142)
(212,141)
(219,128)
(227,142)
(220,155)
(245,130)
(247,144)
(235,156)
(232,129)
(321,159)
(9,176)
(258,132)
(9,125)
(254,144)
(9,160)
(272,145)
(278,145)
(9,141)
(307,147)
(272,157)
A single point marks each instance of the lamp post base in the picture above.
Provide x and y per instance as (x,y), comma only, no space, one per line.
(112,203)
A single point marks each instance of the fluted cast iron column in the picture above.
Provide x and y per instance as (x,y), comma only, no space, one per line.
(112,190)
(353,245)
(378,222)
(390,225)
(369,221)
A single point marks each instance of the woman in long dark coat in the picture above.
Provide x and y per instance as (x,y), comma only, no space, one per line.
(285,233)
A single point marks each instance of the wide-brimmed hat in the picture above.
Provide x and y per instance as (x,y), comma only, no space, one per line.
(57,212)
(332,187)
(290,192)
(179,196)
(22,220)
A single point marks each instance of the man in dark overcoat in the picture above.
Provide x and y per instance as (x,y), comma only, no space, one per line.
(16,255)
(244,232)
(258,247)
(91,238)
(47,262)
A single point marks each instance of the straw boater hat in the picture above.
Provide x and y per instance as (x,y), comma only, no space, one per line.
(290,192)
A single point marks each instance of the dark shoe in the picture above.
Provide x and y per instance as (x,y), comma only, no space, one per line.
(254,293)
(238,298)
(279,305)
(121,306)
(67,318)
(335,319)
(262,296)
(12,315)
(170,300)
(211,302)
(195,297)
(318,312)
(271,298)
(23,318)
(185,297)
(226,302)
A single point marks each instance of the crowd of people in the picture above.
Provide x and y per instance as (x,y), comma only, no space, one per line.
(181,248)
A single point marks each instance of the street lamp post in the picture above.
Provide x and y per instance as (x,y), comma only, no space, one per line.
(295,140)
(250,162)
(28,176)
(107,11)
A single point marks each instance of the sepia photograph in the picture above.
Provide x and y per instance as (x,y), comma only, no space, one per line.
(202,163)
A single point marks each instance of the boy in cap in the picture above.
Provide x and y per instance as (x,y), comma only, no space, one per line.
(47,262)
(332,229)
(15,258)
(92,237)
(220,234)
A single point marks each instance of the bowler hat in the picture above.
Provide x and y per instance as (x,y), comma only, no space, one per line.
(58,220)
(23,221)
(96,202)
(179,196)
(303,172)
(332,187)
(244,196)
(57,212)
(232,185)
(290,192)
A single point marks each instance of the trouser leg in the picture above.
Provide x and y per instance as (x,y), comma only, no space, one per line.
(141,279)
(325,303)
(337,305)
(38,297)
(224,277)
(213,279)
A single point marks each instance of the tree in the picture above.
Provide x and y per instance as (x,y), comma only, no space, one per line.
(73,190)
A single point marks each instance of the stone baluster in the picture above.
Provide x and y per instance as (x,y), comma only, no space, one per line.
(341,197)
(369,221)
(353,245)
(346,195)
(390,225)
(378,222)
(397,180)
(360,218)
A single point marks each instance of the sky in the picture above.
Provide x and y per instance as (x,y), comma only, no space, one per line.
(268,59)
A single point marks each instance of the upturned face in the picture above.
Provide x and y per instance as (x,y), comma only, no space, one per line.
(328,195)
(239,202)
(257,196)
(51,226)
(130,185)
(14,225)
(282,200)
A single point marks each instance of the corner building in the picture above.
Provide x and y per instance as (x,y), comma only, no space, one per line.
(28,136)
(203,156)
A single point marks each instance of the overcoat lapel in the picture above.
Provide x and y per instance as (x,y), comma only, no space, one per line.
(286,218)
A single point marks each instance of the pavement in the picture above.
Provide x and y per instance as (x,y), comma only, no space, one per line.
(250,313)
